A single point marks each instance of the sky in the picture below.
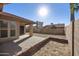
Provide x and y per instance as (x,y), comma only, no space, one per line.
(57,12)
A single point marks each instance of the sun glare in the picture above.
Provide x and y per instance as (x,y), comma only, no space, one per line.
(43,11)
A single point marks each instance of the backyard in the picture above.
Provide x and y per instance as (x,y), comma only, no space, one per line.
(37,45)
(53,48)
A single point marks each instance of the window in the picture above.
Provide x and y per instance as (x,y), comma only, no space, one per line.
(12,29)
(12,32)
(4,33)
(3,29)
(7,29)
(12,25)
(3,24)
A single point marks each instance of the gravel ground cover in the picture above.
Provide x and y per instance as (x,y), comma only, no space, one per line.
(53,48)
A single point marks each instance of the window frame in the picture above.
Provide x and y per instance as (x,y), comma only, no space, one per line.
(8,29)
(4,29)
(13,28)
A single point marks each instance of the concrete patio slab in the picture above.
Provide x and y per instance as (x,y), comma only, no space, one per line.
(24,43)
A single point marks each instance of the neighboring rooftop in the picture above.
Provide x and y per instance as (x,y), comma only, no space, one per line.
(55,25)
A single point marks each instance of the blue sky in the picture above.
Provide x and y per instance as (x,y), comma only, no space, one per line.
(58,13)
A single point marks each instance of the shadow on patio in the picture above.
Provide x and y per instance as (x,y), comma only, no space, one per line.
(11,48)
(23,40)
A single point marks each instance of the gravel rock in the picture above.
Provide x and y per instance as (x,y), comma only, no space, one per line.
(53,48)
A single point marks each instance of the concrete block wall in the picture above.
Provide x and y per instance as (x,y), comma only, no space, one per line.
(68,32)
(58,31)
(76,37)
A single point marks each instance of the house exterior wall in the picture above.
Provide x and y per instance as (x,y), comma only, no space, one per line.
(76,37)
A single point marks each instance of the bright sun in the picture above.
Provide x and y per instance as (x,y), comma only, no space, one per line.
(43,11)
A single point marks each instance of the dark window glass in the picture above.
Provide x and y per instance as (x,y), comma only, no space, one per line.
(3,24)
(12,29)
(12,32)
(12,25)
(4,33)
(3,29)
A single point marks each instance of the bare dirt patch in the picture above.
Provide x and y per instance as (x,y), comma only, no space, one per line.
(53,48)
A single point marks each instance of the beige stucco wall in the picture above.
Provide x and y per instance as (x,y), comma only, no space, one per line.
(76,36)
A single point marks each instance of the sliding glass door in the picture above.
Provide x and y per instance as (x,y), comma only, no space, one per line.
(8,29)
(3,29)
(12,29)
